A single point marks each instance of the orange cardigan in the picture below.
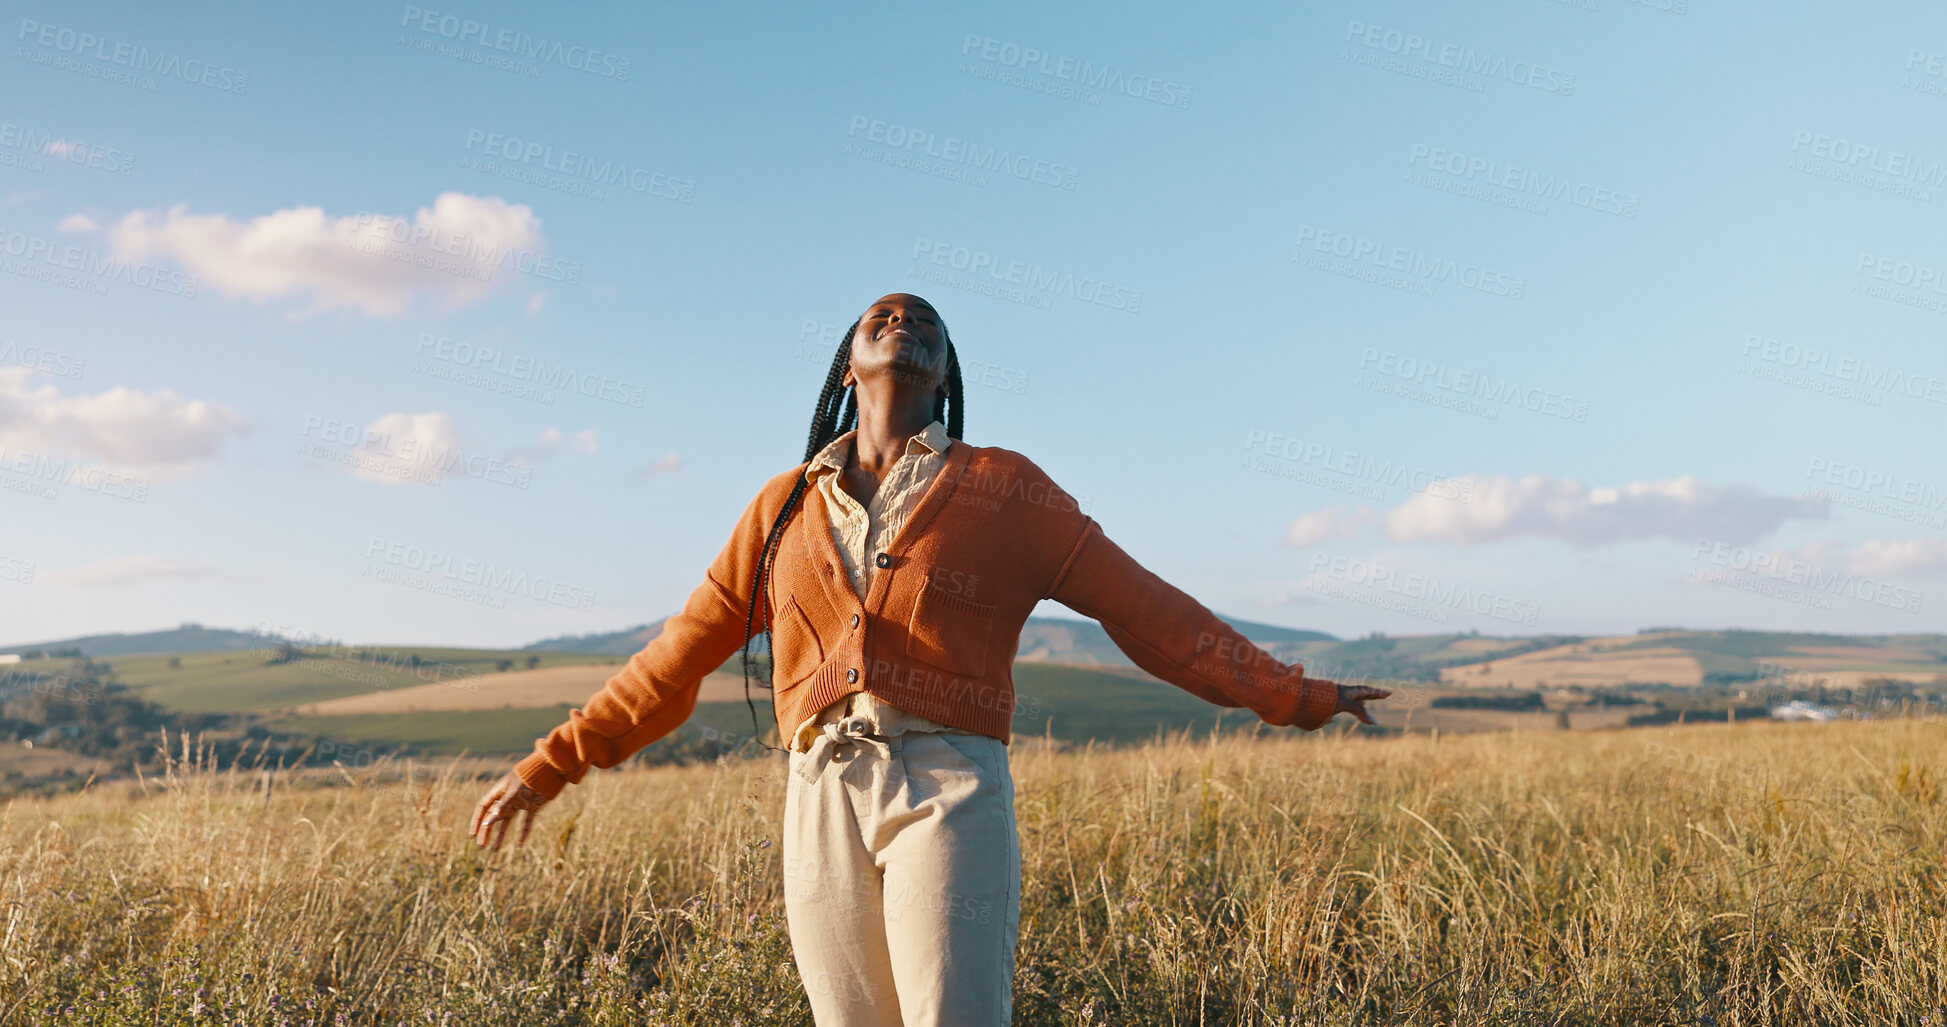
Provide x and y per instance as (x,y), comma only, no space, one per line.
(937,632)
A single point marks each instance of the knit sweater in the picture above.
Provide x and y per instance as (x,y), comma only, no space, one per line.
(938,628)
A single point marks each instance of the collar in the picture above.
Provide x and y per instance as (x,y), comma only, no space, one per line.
(831,459)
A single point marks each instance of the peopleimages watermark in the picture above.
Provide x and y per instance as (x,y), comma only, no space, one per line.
(40,358)
(15,569)
(466,578)
(1926,72)
(1029,278)
(1411,593)
(1793,580)
(1869,167)
(1070,78)
(950,156)
(1472,176)
(1901,281)
(113,60)
(1464,387)
(454,253)
(1447,63)
(515,374)
(991,490)
(24,147)
(1344,470)
(1817,370)
(566,171)
(824,338)
(1398,267)
(1875,491)
(435,27)
(400,457)
(370,665)
(36,474)
(79,267)
(820,881)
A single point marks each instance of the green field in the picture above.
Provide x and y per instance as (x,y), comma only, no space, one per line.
(230,682)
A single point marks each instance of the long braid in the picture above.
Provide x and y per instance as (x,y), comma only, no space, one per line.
(829,421)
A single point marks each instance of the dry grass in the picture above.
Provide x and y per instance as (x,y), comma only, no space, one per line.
(1721,874)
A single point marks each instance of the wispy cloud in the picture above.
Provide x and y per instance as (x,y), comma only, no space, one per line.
(123,572)
(1536,506)
(1310,529)
(153,432)
(552,441)
(662,465)
(1899,558)
(452,253)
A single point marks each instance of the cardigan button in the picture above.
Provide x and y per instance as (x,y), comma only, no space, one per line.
(851,674)
(855,620)
(885,560)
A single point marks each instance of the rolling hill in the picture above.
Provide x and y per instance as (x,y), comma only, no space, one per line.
(187,638)
(1043,640)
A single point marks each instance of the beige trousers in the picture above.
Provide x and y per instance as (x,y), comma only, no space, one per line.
(902,877)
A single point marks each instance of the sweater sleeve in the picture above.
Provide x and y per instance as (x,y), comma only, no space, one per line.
(655,692)
(1171,635)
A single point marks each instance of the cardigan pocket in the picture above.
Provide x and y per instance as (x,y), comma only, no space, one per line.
(950,631)
(799,651)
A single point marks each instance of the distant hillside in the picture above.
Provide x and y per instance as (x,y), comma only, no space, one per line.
(189,638)
(1043,640)
(625,642)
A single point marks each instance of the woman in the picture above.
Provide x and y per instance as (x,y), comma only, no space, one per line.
(897,565)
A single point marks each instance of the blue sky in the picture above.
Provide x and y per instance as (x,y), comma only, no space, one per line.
(391,322)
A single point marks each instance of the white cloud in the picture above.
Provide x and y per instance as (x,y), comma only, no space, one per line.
(1685,509)
(400,447)
(124,571)
(451,253)
(153,432)
(58,148)
(1895,558)
(1337,522)
(78,223)
(662,465)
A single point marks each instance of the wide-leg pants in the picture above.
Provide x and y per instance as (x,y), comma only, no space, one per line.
(902,877)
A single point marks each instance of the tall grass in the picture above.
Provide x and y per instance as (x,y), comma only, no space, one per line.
(1708,874)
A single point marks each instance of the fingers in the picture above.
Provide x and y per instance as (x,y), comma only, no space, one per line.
(480,812)
(484,832)
(527,826)
(500,831)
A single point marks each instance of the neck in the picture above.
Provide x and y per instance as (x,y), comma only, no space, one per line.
(886,422)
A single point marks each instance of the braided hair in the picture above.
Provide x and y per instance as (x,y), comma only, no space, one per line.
(827,423)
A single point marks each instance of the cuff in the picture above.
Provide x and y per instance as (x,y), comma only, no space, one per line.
(1318,703)
(538,775)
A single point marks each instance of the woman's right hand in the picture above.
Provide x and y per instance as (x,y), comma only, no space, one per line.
(509,796)
(1353,699)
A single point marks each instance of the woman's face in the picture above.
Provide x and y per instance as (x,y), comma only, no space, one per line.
(900,335)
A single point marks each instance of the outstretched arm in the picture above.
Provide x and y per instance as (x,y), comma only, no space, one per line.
(1171,635)
(655,692)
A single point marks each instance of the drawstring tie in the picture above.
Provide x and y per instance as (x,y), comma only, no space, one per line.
(853,730)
